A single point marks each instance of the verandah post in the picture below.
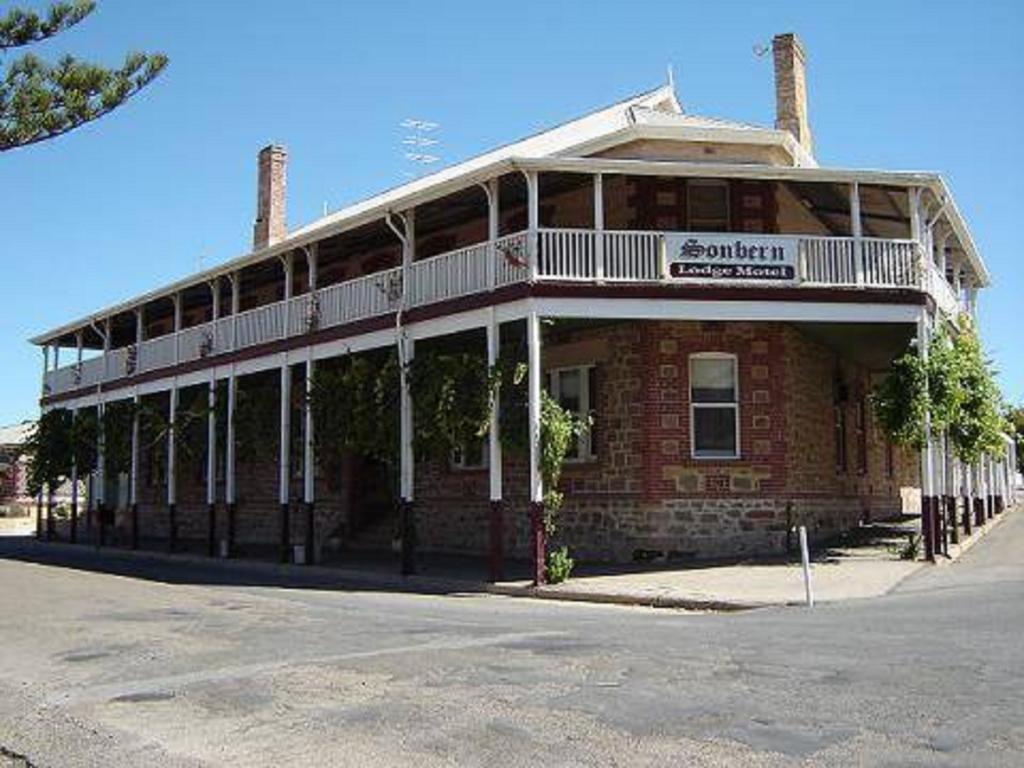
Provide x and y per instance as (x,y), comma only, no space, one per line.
(309,463)
(172,483)
(133,480)
(856,227)
(407,476)
(229,464)
(928,519)
(74,489)
(599,266)
(538,545)
(100,486)
(284,458)
(496,523)
(211,465)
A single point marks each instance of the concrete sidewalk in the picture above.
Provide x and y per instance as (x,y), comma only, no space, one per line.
(867,566)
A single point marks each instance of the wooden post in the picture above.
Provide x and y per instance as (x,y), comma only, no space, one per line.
(229,464)
(599,265)
(309,463)
(74,490)
(538,546)
(856,228)
(407,482)
(284,459)
(100,485)
(497,523)
(211,466)
(133,488)
(533,223)
(172,511)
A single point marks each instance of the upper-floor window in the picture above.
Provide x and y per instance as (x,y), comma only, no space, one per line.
(573,389)
(714,406)
(707,205)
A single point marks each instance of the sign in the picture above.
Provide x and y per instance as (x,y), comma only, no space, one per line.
(699,257)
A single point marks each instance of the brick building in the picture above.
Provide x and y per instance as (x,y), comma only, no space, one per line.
(715,301)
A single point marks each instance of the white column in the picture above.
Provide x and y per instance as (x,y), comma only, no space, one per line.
(79,344)
(171,431)
(533,341)
(533,222)
(140,326)
(74,474)
(177,327)
(284,460)
(927,459)
(599,226)
(101,478)
(56,355)
(236,300)
(493,229)
(211,440)
(46,364)
(133,485)
(857,229)
(406,454)
(309,457)
(229,450)
(214,299)
(107,373)
(288,263)
(494,434)
(312,264)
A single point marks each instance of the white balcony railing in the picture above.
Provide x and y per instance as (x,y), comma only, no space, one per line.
(570,255)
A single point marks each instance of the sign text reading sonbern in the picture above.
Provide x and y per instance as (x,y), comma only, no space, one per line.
(702,257)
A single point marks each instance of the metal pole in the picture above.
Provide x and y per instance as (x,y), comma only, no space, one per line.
(805,556)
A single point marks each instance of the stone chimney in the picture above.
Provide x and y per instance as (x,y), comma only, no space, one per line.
(270,226)
(791,88)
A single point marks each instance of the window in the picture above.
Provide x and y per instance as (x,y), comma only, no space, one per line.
(714,406)
(474,455)
(707,206)
(574,390)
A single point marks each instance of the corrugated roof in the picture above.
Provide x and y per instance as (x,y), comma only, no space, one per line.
(16,434)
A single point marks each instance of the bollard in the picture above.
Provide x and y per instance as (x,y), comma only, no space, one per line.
(805,555)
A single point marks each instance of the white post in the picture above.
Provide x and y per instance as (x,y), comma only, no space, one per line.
(101,477)
(106,351)
(491,188)
(494,434)
(56,355)
(177,327)
(74,479)
(229,448)
(284,454)
(533,222)
(406,455)
(236,302)
(916,232)
(309,459)
(288,264)
(78,348)
(805,556)
(312,265)
(171,432)
(533,341)
(927,459)
(599,227)
(46,364)
(856,227)
(211,441)
(214,299)
(133,485)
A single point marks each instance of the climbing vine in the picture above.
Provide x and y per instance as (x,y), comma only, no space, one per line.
(955,388)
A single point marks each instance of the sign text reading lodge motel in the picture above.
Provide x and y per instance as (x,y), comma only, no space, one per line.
(728,257)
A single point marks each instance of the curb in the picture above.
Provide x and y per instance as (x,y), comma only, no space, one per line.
(340,577)
(979,533)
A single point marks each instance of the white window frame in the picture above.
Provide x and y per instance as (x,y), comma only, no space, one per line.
(704,223)
(735,405)
(586,447)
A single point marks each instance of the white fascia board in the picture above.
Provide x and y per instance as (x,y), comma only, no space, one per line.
(736,311)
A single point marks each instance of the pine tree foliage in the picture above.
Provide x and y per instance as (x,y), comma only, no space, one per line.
(40,100)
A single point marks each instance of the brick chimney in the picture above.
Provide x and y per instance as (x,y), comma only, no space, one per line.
(791,88)
(270,226)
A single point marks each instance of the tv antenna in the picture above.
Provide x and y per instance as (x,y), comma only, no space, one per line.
(760,49)
(419,145)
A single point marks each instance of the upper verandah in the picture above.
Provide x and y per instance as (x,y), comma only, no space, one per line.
(645,136)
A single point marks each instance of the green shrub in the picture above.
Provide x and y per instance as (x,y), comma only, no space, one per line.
(559,565)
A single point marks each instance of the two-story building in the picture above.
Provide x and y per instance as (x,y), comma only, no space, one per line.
(711,298)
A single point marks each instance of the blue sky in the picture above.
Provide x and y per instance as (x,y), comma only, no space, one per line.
(167,182)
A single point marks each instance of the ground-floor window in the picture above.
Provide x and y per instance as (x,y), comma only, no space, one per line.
(714,406)
(575,390)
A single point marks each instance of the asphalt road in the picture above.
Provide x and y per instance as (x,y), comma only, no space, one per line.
(184,667)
